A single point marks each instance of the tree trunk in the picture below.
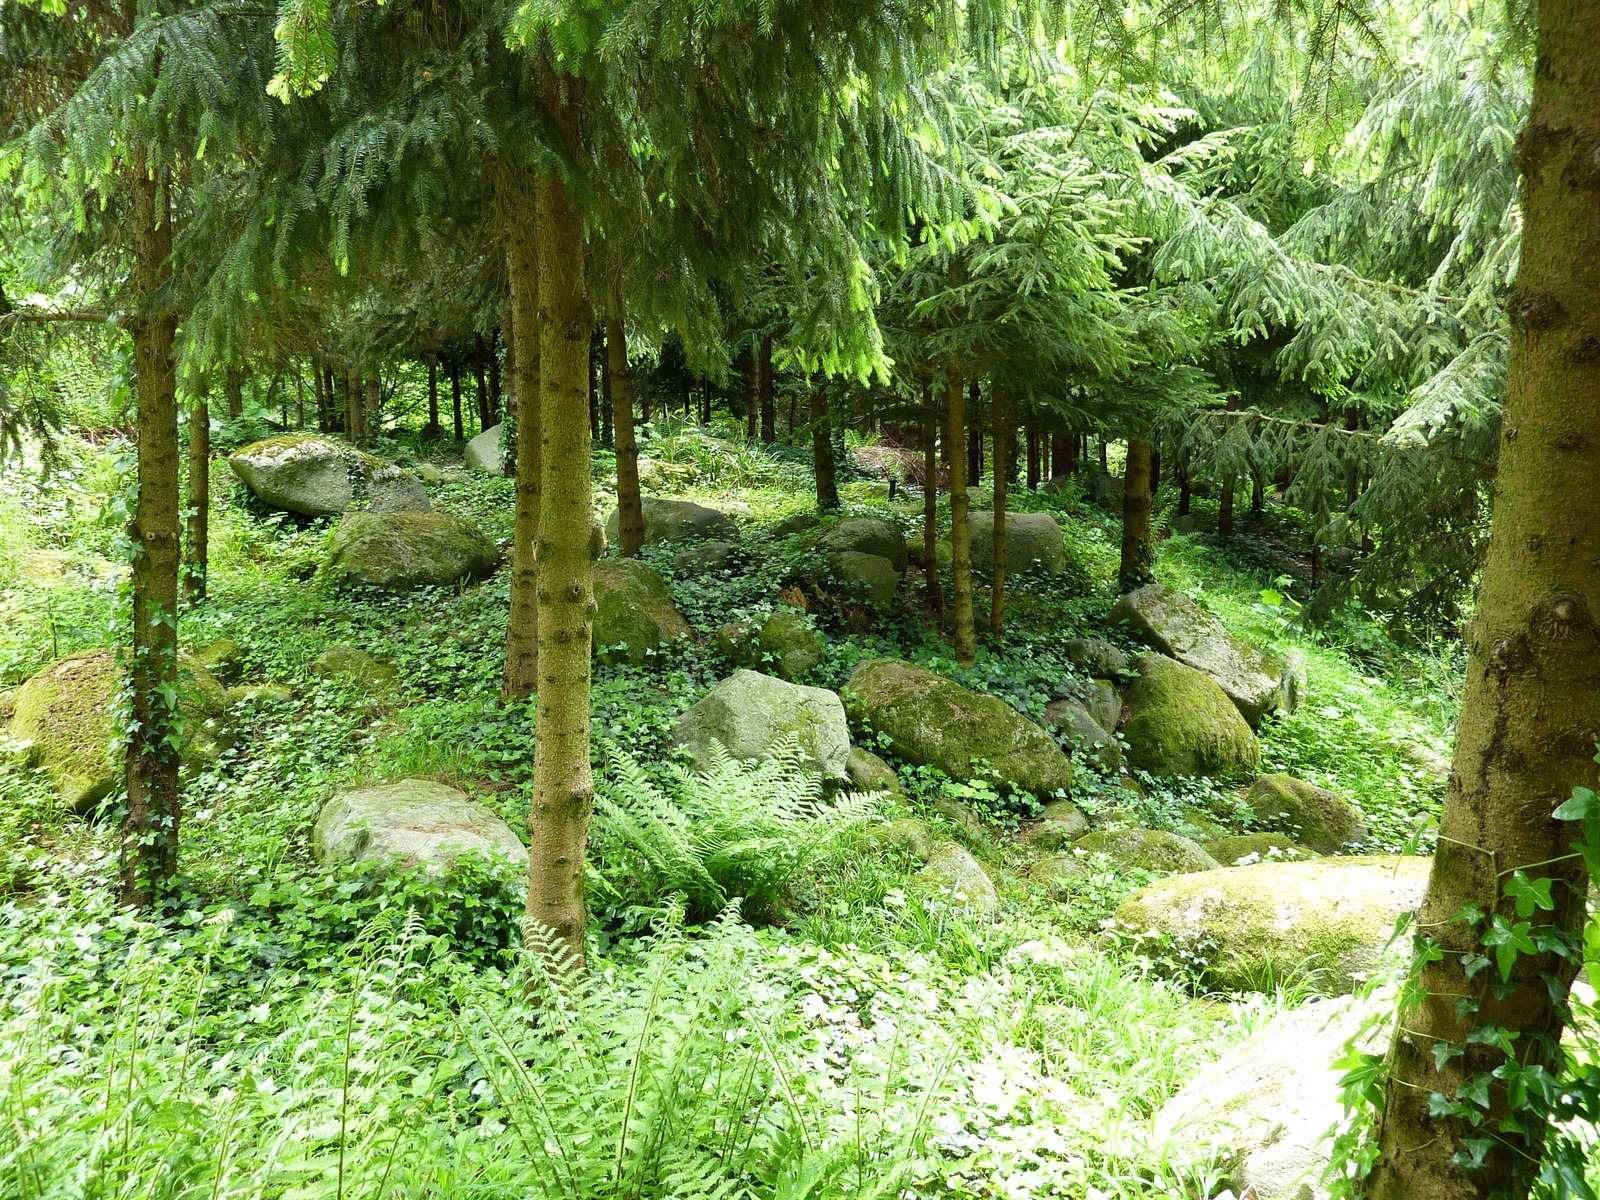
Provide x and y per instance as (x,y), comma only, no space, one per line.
(930,503)
(769,406)
(974,437)
(481,374)
(1184,493)
(1155,469)
(370,406)
(1060,458)
(198,531)
(1104,466)
(233,389)
(434,428)
(494,381)
(1225,509)
(1526,734)
(1001,424)
(563,781)
(521,676)
(630,504)
(1134,569)
(752,396)
(1258,494)
(822,451)
(319,386)
(455,399)
(597,355)
(608,415)
(955,428)
(1033,458)
(149,847)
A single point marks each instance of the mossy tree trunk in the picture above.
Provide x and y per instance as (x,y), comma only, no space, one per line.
(370,405)
(149,848)
(630,503)
(1225,509)
(930,503)
(752,393)
(233,391)
(563,782)
(1529,715)
(521,677)
(822,451)
(1134,571)
(955,428)
(197,529)
(1001,421)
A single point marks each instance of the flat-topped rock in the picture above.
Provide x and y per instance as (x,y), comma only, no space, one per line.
(413,824)
(319,477)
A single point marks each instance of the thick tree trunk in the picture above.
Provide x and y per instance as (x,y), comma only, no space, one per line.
(455,399)
(434,428)
(608,416)
(480,373)
(930,503)
(149,849)
(198,521)
(563,782)
(521,676)
(233,390)
(1059,456)
(1184,492)
(630,504)
(494,381)
(1001,422)
(822,451)
(1034,457)
(974,437)
(955,428)
(1225,509)
(1529,715)
(1134,570)
(319,385)
(1258,494)
(370,406)
(1155,469)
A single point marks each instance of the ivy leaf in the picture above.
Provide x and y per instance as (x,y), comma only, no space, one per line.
(1530,894)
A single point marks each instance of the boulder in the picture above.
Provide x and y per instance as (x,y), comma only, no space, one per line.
(353,666)
(400,550)
(1257,847)
(319,477)
(67,712)
(414,824)
(430,474)
(869,773)
(1179,722)
(796,523)
(259,693)
(955,872)
(934,721)
(1101,701)
(1178,627)
(707,556)
(633,612)
(1061,824)
(485,453)
(907,836)
(784,645)
(1148,850)
(1318,818)
(1057,873)
(664,476)
(678,521)
(1256,925)
(223,658)
(1096,656)
(748,711)
(872,574)
(1105,490)
(867,535)
(1085,734)
(1033,542)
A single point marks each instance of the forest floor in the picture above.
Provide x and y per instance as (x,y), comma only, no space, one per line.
(294,1028)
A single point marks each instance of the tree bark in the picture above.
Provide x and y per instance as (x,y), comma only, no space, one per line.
(198,521)
(930,503)
(1184,492)
(974,437)
(481,374)
(455,398)
(521,675)
(494,380)
(1001,423)
(1134,570)
(769,406)
(1529,715)
(1033,458)
(233,389)
(434,428)
(822,451)
(630,504)
(1258,494)
(955,428)
(1225,509)
(370,406)
(752,395)
(563,783)
(149,845)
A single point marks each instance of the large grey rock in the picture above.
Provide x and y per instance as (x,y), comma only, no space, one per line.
(701,558)
(872,574)
(634,612)
(485,453)
(955,872)
(1033,542)
(867,535)
(1103,703)
(1179,628)
(1256,925)
(1096,656)
(1317,817)
(400,550)
(413,824)
(1148,849)
(869,773)
(319,477)
(1085,734)
(678,521)
(934,721)
(748,711)
(1179,722)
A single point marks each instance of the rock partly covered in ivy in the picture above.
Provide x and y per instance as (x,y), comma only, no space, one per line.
(414,824)
(634,612)
(1179,628)
(354,666)
(1264,1108)
(1257,847)
(259,693)
(319,477)
(401,550)
(867,535)
(1148,849)
(869,773)
(784,645)
(1101,700)
(485,453)
(1263,923)
(748,712)
(907,836)
(1057,873)
(223,658)
(956,873)
(1179,722)
(1317,817)
(872,575)
(1033,542)
(678,521)
(1096,656)
(1084,734)
(67,712)
(707,556)
(934,721)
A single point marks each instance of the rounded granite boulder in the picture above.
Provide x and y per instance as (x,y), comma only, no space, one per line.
(400,550)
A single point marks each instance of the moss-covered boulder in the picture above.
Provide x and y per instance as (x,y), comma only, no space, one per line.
(678,521)
(1033,542)
(1235,848)
(223,658)
(1148,849)
(958,875)
(905,836)
(934,721)
(871,575)
(1178,627)
(748,712)
(1317,817)
(1060,825)
(867,535)
(1096,656)
(1058,873)
(351,665)
(1259,924)
(1088,740)
(485,453)
(633,612)
(416,825)
(703,558)
(869,773)
(1179,722)
(259,693)
(400,550)
(319,477)
(785,645)
(67,713)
